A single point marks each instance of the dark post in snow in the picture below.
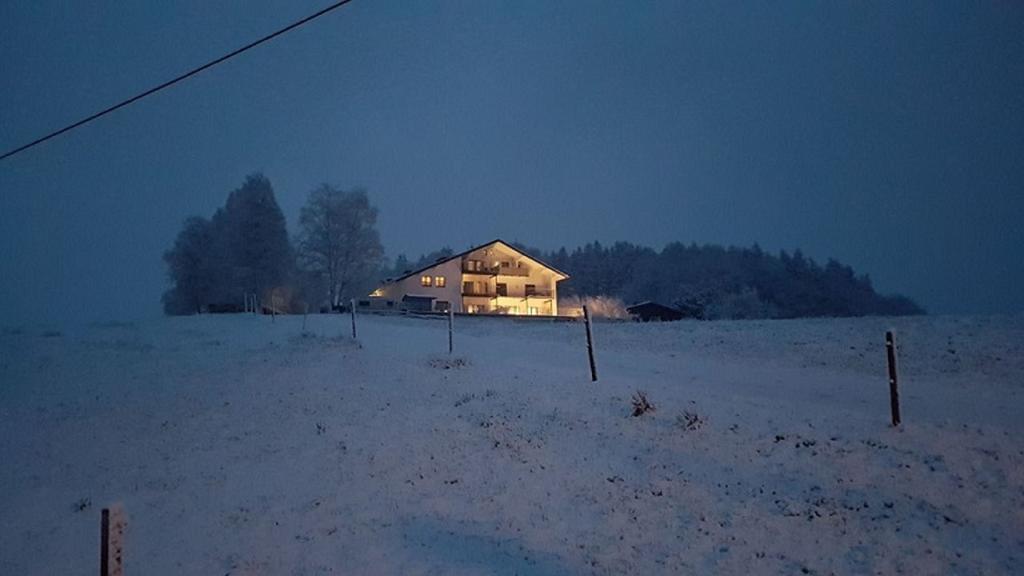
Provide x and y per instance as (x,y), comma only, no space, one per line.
(894,394)
(352,309)
(590,345)
(112,542)
(105,542)
(451,314)
(305,312)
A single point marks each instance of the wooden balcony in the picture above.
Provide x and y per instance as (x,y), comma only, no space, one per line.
(495,270)
(483,271)
(512,271)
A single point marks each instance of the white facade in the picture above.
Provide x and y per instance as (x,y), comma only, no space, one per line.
(491,279)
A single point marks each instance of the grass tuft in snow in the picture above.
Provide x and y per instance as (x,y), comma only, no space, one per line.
(690,421)
(641,405)
(448,363)
(82,504)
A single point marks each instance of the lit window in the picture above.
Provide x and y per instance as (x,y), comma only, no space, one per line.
(533,311)
(426,281)
(439,281)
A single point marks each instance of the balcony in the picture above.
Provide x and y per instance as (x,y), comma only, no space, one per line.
(483,270)
(478,293)
(477,268)
(512,271)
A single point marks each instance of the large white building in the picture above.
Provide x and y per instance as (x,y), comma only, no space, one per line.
(494,278)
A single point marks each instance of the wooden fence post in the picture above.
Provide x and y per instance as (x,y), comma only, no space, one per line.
(894,393)
(451,315)
(105,542)
(112,527)
(352,309)
(590,345)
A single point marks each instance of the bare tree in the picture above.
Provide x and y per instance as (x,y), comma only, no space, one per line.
(338,241)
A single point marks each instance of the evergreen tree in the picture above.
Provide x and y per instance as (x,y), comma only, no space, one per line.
(190,267)
(251,244)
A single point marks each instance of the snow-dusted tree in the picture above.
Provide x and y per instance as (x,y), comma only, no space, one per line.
(253,252)
(190,267)
(338,241)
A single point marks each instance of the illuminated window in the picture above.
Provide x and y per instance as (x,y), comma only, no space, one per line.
(426,281)
(533,311)
(513,309)
(439,281)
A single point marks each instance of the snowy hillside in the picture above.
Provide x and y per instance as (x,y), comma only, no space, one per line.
(242,446)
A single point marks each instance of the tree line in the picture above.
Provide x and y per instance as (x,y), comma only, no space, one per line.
(713,282)
(245,249)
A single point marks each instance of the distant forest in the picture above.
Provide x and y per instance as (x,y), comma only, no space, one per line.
(715,282)
(245,250)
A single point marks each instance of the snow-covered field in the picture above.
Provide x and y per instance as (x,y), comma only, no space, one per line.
(242,446)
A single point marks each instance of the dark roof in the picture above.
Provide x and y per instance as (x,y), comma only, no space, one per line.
(474,249)
(654,309)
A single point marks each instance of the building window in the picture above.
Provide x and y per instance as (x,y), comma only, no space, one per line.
(439,281)
(426,281)
(502,289)
(533,311)
(531,289)
(474,308)
(513,310)
(441,306)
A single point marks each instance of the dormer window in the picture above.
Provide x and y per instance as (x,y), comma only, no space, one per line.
(426,281)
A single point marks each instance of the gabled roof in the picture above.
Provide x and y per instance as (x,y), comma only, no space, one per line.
(474,249)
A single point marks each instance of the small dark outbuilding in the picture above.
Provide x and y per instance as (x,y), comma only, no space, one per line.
(648,311)
(414,303)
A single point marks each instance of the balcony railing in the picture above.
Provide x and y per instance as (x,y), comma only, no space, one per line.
(513,271)
(539,294)
(495,270)
(489,270)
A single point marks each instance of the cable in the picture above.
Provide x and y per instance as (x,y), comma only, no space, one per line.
(173,81)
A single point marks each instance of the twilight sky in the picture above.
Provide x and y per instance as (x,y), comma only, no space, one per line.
(888,135)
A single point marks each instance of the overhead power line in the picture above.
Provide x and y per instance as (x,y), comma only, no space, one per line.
(177,79)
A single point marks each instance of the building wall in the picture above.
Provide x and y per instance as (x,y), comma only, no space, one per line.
(451,293)
(452,271)
(542,278)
